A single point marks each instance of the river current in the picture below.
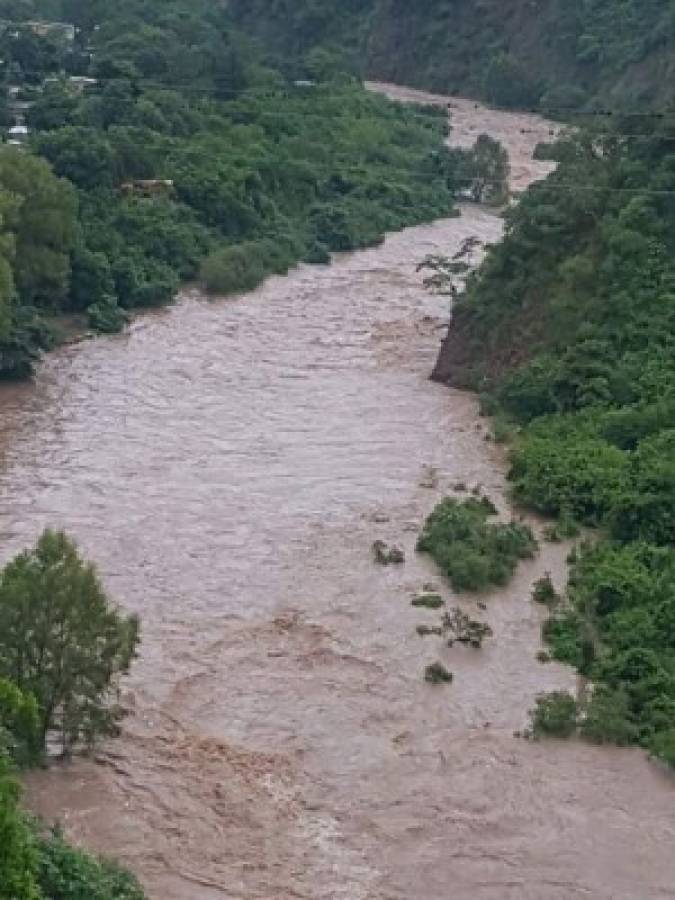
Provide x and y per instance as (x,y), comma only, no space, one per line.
(229,464)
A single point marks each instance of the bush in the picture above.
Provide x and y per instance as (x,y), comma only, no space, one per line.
(18,857)
(581,476)
(65,873)
(471,552)
(607,718)
(555,715)
(106,316)
(544,592)
(19,725)
(233,269)
(436,673)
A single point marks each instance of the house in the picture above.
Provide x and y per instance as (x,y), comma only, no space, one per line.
(17,135)
(80,83)
(53,29)
(148,188)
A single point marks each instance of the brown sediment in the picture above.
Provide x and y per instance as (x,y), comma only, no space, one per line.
(229,466)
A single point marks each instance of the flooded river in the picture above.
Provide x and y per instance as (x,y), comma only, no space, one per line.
(229,464)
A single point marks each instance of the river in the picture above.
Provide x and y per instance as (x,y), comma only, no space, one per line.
(229,464)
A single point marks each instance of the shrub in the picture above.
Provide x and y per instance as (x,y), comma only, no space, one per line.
(65,873)
(436,673)
(18,857)
(580,475)
(428,601)
(19,724)
(607,718)
(233,269)
(471,552)
(106,316)
(544,592)
(554,715)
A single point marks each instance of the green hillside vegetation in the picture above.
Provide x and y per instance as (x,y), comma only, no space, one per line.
(556,53)
(570,326)
(249,173)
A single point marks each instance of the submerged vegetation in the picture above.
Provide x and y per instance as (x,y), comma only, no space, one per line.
(475,554)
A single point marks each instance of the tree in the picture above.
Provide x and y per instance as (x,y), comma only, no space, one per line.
(486,171)
(44,223)
(83,155)
(62,640)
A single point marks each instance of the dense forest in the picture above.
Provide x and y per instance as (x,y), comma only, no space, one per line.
(552,53)
(166,148)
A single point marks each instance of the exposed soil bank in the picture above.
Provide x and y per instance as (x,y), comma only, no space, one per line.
(229,465)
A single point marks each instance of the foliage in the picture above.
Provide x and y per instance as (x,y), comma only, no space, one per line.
(18,856)
(436,673)
(191,154)
(607,718)
(428,601)
(566,55)
(62,641)
(65,873)
(473,553)
(544,592)
(19,724)
(554,715)
(106,316)
(618,630)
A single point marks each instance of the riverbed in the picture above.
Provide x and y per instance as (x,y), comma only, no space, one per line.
(228,464)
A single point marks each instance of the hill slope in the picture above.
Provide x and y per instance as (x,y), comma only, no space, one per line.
(518,52)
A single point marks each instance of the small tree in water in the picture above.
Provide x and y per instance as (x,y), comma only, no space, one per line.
(62,641)
(486,171)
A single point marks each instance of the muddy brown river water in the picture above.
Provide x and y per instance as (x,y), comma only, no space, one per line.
(229,464)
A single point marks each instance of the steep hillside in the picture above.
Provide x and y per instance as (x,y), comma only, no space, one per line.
(521,52)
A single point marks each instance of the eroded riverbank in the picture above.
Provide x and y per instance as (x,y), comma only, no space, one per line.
(229,466)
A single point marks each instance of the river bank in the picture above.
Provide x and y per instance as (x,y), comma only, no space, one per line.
(229,466)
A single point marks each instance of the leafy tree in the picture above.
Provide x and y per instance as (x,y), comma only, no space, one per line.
(82,155)
(486,171)
(43,221)
(61,640)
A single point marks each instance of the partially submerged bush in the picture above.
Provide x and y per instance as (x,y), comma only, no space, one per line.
(386,555)
(428,630)
(554,715)
(436,673)
(471,552)
(461,628)
(544,592)
(428,601)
